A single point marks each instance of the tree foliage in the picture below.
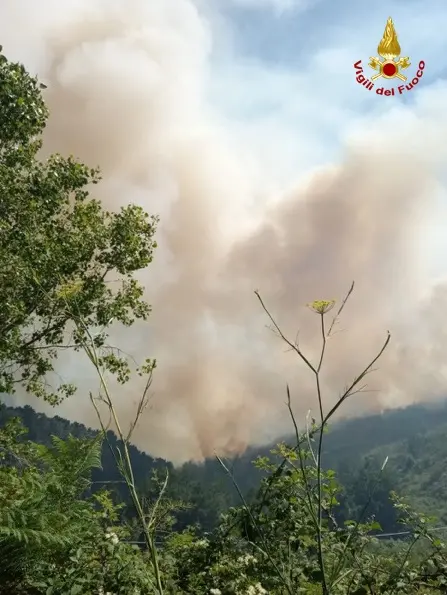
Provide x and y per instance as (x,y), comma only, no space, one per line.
(55,539)
(61,252)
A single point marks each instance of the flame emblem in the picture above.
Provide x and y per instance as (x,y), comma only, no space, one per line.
(389,50)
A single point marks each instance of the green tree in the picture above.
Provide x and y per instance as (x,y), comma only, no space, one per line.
(59,248)
(368,494)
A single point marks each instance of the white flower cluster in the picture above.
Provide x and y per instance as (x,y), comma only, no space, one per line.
(257,589)
(215,592)
(101,592)
(113,537)
(247,560)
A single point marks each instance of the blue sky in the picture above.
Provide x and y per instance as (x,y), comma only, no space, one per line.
(289,70)
(290,36)
(283,70)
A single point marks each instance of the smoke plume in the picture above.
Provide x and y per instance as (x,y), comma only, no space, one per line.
(127,90)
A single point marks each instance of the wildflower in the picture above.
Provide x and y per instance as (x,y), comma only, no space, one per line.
(69,290)
(247,559)
(321,306)
(256,589)
(113,537)
(215,592)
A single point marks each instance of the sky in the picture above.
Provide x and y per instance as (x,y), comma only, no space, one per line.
(283,70)
(241,124)
(298,59)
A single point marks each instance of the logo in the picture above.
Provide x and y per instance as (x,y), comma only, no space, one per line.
(389,66)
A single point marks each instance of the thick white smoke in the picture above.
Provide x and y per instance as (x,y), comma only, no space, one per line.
(127,90)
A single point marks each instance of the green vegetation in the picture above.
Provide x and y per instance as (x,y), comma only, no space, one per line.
(58,248)
(210,492)
(291,530)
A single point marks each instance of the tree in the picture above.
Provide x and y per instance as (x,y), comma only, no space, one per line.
(59,248)
(367,494)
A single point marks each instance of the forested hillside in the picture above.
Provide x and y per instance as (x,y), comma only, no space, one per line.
(413,438)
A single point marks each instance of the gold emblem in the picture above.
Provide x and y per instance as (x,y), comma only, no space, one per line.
(389,49)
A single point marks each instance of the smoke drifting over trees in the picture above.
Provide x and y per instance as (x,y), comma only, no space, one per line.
(127,91)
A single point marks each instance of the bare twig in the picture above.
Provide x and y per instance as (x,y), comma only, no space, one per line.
(308,439)
(352,389)
(340,310)
(142,404)
(123,460)
(283,337)
(302,464)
